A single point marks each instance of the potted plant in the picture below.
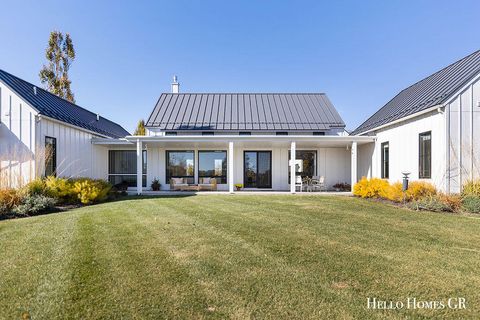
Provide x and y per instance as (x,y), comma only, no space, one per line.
(155,185)
(238,186)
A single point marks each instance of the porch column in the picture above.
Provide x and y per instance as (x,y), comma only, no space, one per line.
(230,167)
(139,167)
(293,157)
(354,164)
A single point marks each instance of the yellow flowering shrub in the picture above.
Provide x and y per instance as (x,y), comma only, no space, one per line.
(89,190)
(471,188)
(59,188)
(420,189)
(371,188)
(395,192)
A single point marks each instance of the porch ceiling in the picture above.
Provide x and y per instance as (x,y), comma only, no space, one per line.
(257,141)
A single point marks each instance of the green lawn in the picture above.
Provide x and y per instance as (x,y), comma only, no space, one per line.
(239,257)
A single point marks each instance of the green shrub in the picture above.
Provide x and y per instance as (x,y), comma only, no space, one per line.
(36,186)
(471,188)
(429,203)
(34,204)
(89,191)
(471,203)
(9,198)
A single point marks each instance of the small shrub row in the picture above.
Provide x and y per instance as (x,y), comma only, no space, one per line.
(43,194)
(421,195)
(380,188)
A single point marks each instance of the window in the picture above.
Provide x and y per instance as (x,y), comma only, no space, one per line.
(122,167)
(170,133)
(319,133)
(385,160)
(281,133)
(425,155)
(50,156)
(245,133)
(305,164)
(181,164)
(213,164)
(207,133)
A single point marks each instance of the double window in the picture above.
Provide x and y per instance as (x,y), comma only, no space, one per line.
(50,156)
(122,167)
(385,149)
(211,164)
(425,155)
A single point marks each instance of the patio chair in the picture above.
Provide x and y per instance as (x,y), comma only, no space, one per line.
(318,183)
(298,183)
(207,184)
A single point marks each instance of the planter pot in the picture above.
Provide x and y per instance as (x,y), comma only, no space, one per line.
(238,188)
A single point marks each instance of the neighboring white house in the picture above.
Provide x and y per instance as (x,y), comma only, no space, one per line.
(430,129)
(42,134)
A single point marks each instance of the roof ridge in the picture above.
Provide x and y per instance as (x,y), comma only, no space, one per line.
(297,93)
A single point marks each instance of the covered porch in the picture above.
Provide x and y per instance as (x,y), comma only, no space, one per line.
(257,163)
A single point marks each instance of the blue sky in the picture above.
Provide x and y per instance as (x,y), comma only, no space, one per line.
(359,53)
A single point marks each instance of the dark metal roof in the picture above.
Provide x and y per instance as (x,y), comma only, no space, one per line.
(244,111)
(429,92)
(52,106)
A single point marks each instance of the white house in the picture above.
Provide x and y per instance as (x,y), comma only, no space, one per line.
(42,134)
(430,129)
(234,138)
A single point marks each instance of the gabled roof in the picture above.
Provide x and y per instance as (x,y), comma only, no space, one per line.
(52,106)
(244,111)
(429,92)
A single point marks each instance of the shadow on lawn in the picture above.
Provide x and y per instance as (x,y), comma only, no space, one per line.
(65,208)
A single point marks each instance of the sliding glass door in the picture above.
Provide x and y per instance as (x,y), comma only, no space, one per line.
(257,169)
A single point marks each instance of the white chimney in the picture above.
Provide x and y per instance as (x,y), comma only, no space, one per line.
(98,117)
(34,90)
(175,85)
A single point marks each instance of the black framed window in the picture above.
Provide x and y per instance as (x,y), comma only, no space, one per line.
(385,149)
(180,164)
(281,133)
(122,167)
(319,133)
(213,164)
(170,133)
(245,133)
(425,155)
(305,164)
(50,156)
(208,133)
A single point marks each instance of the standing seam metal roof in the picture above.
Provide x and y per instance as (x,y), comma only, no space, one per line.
(244,111)
(60,109)
(426,93)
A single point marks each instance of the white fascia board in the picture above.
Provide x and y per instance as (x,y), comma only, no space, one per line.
(435,107)
(41,116)
(226,138)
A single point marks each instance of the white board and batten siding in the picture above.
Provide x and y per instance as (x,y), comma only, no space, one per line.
(463,134)
(403,140)
(17,139)
(76,155)
(22,144)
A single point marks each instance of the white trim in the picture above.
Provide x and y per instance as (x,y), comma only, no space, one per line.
(230,167)
(258,138)
(41,116)
(465,87)
(293,158)
(435,107)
